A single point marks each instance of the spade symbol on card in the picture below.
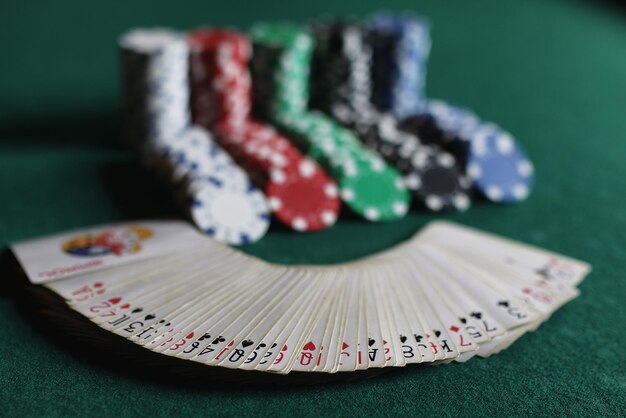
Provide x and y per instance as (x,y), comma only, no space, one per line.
(149,317)
(371,342)
(418,338)
(309,346)
(463,320)
(476,315)
(437,333)
(204,337)
(136,310)
(274,345)
(247,343)
(262,345)
(403,338)
(504,303)
(218,340)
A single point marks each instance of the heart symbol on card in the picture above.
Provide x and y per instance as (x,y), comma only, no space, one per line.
(125,306)
(454,328)
(149,317)
(114,301)
(97,284)
(309,346)
(247,343)
(284,348)
(189,336)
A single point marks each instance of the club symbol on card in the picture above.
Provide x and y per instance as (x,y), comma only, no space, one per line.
(454,328)
(218,340)
(371,342)
(402,339)
(136,310)
(476,315)
(149,317)
(204,337)
(309,346)
(463,320)
(247,343)
(503,303)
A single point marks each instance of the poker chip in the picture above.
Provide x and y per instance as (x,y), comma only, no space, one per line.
(401,46)
(344,51)
(499,168)
(335,147)
(494,162)
(301,196)
(230,212)
(154,75)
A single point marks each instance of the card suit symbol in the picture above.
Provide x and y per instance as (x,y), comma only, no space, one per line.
(504,303)
(262,345)
(526,290)
(476,315)
(371,342)
(149,317)
(463,320)
(97,284)
(189,336)
(418,337)
(161,321)
(125,306)
(136,310)
(99,292)
(437,333)
(168,324)
(403,338)
(454,328)
(384,342)
(274,345)
(309,346)
(218,340)
(204,337)
(284,348)
(247,343)
(114,301)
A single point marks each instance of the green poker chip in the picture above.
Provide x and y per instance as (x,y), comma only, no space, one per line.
(369,186)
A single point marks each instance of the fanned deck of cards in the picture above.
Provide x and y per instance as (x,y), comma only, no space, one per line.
(449,293)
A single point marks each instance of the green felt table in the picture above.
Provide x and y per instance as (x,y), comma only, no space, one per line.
(553,72)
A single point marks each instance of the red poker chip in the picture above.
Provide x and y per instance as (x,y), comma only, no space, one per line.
(303,197)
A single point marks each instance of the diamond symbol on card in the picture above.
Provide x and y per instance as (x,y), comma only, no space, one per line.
(454,328)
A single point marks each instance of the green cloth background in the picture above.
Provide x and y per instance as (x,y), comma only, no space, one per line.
(553,72)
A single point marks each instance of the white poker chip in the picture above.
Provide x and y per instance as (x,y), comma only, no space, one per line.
(230,212)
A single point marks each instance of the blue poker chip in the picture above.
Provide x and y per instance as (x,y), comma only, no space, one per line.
(498,167)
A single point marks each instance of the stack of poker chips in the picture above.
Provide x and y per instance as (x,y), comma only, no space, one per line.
(288,120)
